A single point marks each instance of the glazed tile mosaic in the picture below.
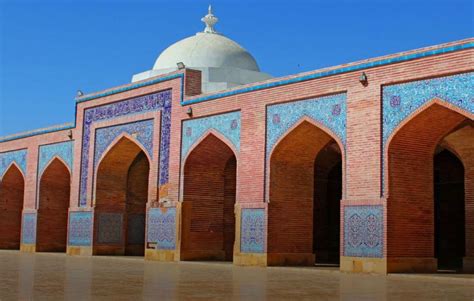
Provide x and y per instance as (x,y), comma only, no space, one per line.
(80,228)
(28,228)
(148,103)
(161,228)
(18,156)
(363,231)
(399,101)
(142,130)
(136,229)
(327,110)
(226,124)
(252,234)
(63,150)
(109,228)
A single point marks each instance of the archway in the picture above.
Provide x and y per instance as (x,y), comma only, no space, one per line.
(12,188)
(209,193)
(54,192)
(120,200)
(305,193)
(418,168)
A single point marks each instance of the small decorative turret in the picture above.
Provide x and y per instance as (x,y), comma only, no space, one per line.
(210,21)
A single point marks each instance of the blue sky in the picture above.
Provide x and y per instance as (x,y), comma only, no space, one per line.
(49,49)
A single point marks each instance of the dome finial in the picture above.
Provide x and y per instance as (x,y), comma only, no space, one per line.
(210,21)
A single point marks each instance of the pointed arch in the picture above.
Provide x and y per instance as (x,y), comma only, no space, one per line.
(409,184)
(13,164)
(60,159)
(12,189)
(208,194)
(300,167)
(204,136)
(53,205)
(120,196)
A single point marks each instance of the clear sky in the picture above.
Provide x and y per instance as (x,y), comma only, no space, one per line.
(50,49)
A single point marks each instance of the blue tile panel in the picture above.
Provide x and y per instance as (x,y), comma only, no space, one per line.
(228,125)
(105,136)
(18,156)
(252,232)
(109,228)
(136,229)
(161,228)
(327,110)
(63,150)
(80,228)
(400,101)
(28,228)
(363,231)
(160,101)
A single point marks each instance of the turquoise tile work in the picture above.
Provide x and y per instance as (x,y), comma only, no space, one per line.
(63,150)
(363,231)
(400,101)
(327,110)
(252,233)
(18,156)
(226,124)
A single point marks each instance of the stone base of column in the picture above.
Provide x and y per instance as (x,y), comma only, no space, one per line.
(290,259)
(363,265)
(412,265)
(250,259)
(79,251)
(160,255)
(468,264)
(28,248)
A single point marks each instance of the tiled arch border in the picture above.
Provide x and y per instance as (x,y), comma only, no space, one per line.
(155,102)
(404,101)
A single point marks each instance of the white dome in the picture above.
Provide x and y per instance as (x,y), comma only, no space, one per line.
(206,50)
(222,62)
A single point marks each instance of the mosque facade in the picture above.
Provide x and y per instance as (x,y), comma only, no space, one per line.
(367,165)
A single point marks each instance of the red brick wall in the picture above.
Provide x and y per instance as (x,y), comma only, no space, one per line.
(290,212)
(208,197)
(54,195)
(410,204)
(11,203)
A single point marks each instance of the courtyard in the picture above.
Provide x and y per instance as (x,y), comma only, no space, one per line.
(52,276)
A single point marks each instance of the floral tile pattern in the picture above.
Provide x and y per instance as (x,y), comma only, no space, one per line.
(327,110)
(80,228)
(363,231)
(226,124)
(18,156)
(138,105)
(401,100)
(252,233)
(63,150)
(109,228)
(28,228)
(105,136)
(161,228)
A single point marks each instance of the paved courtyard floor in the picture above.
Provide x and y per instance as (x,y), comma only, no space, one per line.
(60,277)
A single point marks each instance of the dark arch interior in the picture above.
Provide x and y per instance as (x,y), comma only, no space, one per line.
(11,205)
(208,221)
(327,201)
(449,210)
(120,201)
(55,185)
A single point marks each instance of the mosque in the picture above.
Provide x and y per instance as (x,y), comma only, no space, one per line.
(368,166)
